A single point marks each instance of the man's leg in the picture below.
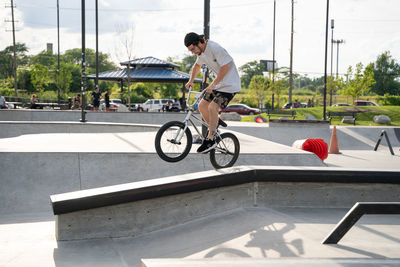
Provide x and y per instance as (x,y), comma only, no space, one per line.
(203,109)
(213,109)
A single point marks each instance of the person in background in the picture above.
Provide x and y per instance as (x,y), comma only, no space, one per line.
(77,102)
(2,102)
(34,102)
(96,96)
(107,100)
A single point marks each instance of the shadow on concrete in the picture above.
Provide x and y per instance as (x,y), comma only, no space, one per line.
(360,251)
(26,218)
(272,238)
(384,235)
(231,234)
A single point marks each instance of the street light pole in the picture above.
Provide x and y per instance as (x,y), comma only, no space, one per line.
(83,78)
(96,81)
(14,49)
(58,50)
(291,57)
(326,54)
(332,27)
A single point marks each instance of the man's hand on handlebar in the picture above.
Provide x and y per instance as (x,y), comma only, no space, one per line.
(189,84)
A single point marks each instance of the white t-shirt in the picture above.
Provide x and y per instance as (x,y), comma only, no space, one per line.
(214,57)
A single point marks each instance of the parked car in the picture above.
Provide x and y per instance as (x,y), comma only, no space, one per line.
(341,105)
(241,109)
(365,103)
(155,104)
(292,105)
(115,105)
(137,107)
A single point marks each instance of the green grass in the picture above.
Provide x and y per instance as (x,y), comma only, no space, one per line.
(365,115)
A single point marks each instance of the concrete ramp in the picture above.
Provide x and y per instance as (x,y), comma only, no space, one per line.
(48,164)
(349,137)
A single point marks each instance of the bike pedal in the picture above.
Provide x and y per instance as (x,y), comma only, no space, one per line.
(222,123)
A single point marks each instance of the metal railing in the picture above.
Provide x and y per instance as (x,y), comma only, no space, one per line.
(355,213)
(383,133)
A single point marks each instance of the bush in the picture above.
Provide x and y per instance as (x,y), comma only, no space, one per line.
(389,100)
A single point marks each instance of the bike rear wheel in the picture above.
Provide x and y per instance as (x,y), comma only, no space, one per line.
(172,142)
(227,151)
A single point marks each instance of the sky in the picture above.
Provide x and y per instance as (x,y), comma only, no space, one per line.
(141,28)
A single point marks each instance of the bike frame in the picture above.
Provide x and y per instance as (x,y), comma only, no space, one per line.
(191,108)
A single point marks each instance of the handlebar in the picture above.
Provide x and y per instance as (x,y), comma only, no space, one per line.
(199,96)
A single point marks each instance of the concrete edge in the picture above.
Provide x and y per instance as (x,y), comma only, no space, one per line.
(130,192)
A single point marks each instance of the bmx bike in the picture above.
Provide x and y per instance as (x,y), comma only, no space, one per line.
(174,139)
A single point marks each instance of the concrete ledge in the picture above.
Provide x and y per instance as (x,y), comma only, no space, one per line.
(16,128)
(91,116)
(106,196)
(299,123)
(138,208)
(254,262)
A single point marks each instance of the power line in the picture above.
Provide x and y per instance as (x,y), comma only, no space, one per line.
(143,10)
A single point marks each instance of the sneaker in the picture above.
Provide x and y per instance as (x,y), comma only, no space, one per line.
(207,146)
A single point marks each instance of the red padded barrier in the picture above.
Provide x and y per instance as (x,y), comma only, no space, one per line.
(316,146)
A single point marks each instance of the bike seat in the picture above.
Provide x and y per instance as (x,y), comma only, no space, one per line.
(222,123)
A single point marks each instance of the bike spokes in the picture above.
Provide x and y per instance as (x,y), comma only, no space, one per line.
(173,141)
(226,152)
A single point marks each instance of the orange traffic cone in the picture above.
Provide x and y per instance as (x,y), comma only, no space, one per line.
(333,146)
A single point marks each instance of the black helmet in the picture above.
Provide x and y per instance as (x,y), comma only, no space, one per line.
(193,38)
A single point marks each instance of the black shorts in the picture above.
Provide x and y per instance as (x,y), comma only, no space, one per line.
(96,104)
(221,98)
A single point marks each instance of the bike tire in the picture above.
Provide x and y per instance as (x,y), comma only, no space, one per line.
(219,157)
(164,142)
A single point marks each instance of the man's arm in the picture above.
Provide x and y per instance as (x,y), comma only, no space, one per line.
(221,74)
(195,70)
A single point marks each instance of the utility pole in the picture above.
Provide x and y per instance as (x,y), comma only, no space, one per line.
(273,55)
(14,48)
(96,81)
(338,42)
(291,57)
(331,92)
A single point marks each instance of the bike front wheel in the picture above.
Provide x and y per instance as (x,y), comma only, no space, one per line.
(173,142)
(227,151)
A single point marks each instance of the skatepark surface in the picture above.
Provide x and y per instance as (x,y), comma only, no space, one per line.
(36,165)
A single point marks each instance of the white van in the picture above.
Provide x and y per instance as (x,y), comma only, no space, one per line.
(155,104)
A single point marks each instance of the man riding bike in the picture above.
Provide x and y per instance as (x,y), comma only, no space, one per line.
(222,89)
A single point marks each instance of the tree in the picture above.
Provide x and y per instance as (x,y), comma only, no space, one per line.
(141,89)
(259,86)
(360,83)
(75,56)
(277,87)
(39,77)
(386,70)
(169,90)
(6,59)
(64,77)
(45,58)
(187,63)
(248,70)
